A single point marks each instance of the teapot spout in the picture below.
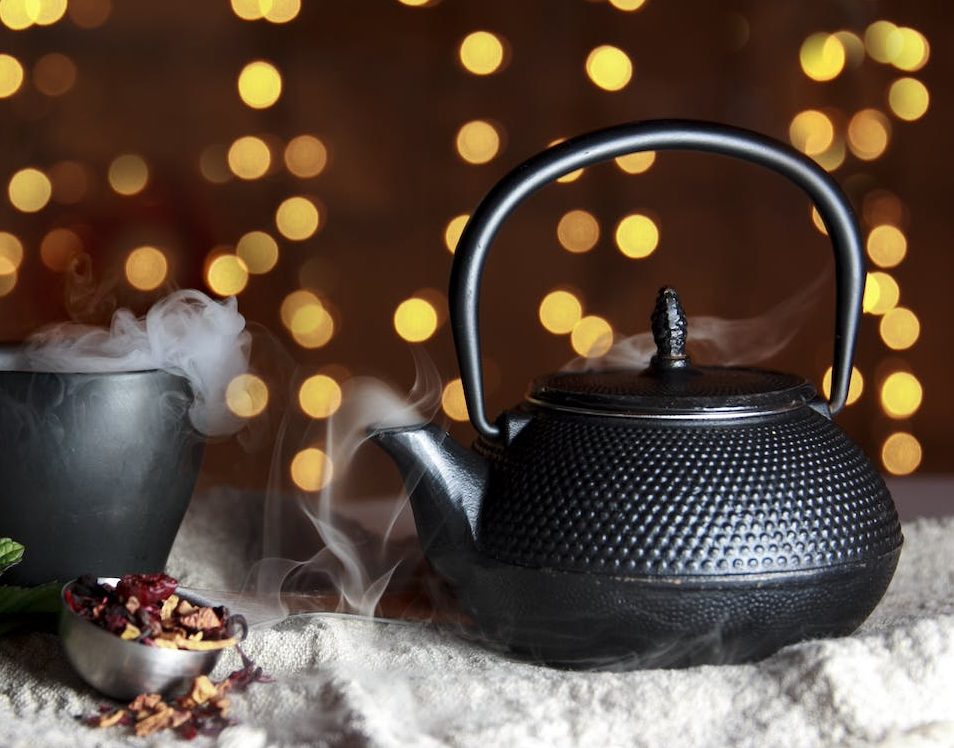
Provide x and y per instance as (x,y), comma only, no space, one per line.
(446,484)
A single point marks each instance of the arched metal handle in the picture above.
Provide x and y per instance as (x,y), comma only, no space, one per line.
(654,135)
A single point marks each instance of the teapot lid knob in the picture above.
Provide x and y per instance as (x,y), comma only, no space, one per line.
(669,331)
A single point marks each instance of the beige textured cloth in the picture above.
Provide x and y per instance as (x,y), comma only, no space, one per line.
(347,682)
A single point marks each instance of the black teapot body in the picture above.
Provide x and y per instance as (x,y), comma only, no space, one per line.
(665,517)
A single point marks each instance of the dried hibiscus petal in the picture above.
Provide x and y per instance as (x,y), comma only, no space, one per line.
(148,589)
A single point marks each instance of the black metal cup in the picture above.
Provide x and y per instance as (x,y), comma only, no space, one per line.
(96,471)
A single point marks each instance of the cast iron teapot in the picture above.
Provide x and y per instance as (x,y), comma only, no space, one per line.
(678,515)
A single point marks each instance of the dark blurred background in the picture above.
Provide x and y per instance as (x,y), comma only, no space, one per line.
(311,156)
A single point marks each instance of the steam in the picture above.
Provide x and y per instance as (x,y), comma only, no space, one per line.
(728,342)
(358,562)
(185,333)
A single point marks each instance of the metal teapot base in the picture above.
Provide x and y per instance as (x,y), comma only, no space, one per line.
(584,622)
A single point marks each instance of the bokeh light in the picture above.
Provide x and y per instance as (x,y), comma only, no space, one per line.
(899,328)
(11,251)
(227,275)
(90,14)
(54,74)
(627,5)
(306,156)
(246,395)
(881,41)
(453,402)
(281,11)
(854,47)
(319,396)
(560,311)
(811,131)
(11,75)
(609,67)
(822,56)
(311,469)
(8,276)
(249,157)
(592,336)
(258,250)
(297,218)
(886,245)
(481,53)
(882,293)
(294,302)
(312,326)
(901,394)
(146,268)
(250,10)
(908,98)
(15,15)
(58,249)
(415,320)
(868,134)
(637,236)
(29,190)
(128,174)
(914,52)
(46,12)
(455,227)
(856,385)
(415,3)
(818,222)
(636,163)
(478,142)
(578,231)
(259,84)
(570,176)
(901,453)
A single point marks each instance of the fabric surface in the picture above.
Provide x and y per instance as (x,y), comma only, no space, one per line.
(347,682)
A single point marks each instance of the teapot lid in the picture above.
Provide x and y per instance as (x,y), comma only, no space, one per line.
(671,386)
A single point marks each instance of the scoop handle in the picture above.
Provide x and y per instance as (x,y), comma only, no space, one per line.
(652,135)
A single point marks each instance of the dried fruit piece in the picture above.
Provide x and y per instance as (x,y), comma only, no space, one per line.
(110,719)
(169,607)
(130,632)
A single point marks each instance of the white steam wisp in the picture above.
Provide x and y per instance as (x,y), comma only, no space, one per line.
(185,333)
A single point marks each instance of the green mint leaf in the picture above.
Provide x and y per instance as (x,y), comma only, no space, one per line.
(11,553)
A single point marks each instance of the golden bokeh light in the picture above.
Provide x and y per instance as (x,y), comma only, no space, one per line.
(856,385)
(908,98)
(45,12)
(570,176)
(868,134)
(882,293)
(914,52)
(214,164)
(636,163)
(295,301)
(811,131)
(11,251)
(227,275)
(833,156)
(90,14)
(415,3)
(8,276)
(280,11)
(818,222)
(592,336)
(899,328)
(306,156)
(250,10)
(54,74)
(246,395)
(822,56)
(881,41)
(415,320)
(297,218)
(16,15)
(128,174)
(637,236)
(453,402)
(560,311)
(854,47)
(146,268)
(311,469)
(312,325)
(578,231)
(609,68)
(259,84)
(901,453)
(901,394)
(258,250)
(249,157)
(886,245)
(455,227)
(478,142)
(881,206)
(58,249)
(627,5)
(11,75)
(29,190)
(319,396)
(481,53)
